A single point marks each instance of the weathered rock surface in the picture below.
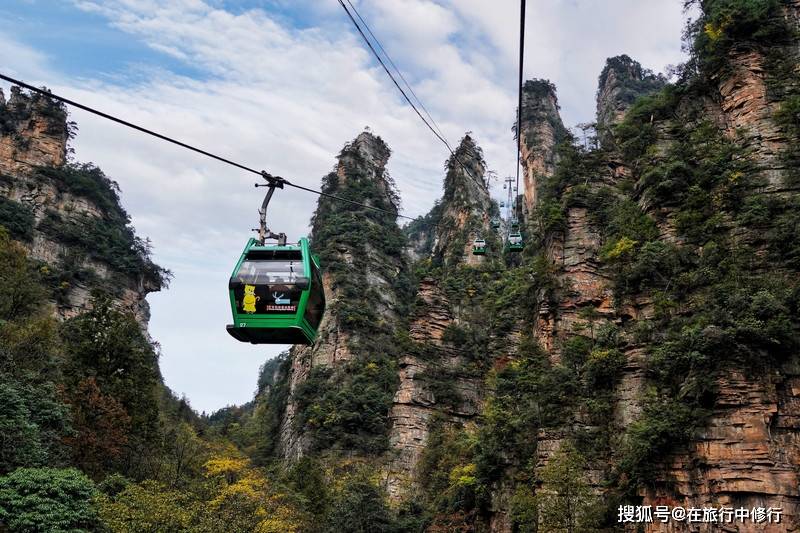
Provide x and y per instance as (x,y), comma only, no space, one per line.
(413,403)
(541,131)
(586,299)
(465,214)
(748,111)
(34,132)
(366,157)
(622,81)
(747,455)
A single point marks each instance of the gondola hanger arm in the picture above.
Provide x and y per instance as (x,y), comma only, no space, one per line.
(264,233)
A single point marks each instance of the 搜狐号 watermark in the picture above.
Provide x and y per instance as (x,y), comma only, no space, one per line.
(723,515)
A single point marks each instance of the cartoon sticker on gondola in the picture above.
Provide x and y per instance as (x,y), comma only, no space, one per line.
(280,300)
(250,299)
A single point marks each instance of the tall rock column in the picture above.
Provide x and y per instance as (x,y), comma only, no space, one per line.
(65,214)
(464,212)
(33,132)
(465,209)
(622,81)
(365,274)
(750,93)
(541,132)
(573,251)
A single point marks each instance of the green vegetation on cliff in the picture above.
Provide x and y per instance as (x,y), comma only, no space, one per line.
(721,303)
(108,238)
(347,407)
(17,218)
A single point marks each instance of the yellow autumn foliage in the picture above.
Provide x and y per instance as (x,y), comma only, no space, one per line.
(713,31)
(227,466)
(623,246)
(463,475)
(147,506)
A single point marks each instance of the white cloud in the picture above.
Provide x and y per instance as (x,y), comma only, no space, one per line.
(21,60)
(287,99)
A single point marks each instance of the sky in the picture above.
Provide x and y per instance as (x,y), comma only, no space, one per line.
(282,85)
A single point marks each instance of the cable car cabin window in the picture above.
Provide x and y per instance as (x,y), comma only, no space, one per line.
(316,300)
(261,272)
(267,286)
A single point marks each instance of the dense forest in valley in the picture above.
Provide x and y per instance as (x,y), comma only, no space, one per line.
(641,350)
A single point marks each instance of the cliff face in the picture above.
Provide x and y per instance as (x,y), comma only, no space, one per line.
(433,383)
(79,376)
(403,336)
(747,452)
(67,215)
(743,448)
(643,349)
(35,133)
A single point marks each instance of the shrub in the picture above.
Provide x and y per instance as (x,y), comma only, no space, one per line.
(359,506)
(108,241)
(33,423)
(87,181)
(353,413)
(728,23)
(47,499)
(17,218)
(147,506)
(665,422)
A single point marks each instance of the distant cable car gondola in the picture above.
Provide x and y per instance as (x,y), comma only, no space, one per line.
(479,247)
(495,223)
(276,290)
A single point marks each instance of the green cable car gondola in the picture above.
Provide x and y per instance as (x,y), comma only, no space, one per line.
(479,247)
(276,290)
(515,243)
(495,223)
(276,294)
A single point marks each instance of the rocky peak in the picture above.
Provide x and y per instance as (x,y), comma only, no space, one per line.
(347,234)
(367,154)
(622,81)
(33,132)
(465,208)
(464,184)
(541,131)
(364,268)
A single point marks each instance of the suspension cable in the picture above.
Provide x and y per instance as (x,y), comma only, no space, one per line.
(399,72)
(519,100)
(267,176)
(405,95)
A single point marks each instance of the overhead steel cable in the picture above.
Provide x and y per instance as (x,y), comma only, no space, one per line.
(267,176)
(405,95)
(399,72)
(519,99)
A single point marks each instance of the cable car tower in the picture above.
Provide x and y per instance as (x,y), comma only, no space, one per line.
(514,238)
(509,202)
